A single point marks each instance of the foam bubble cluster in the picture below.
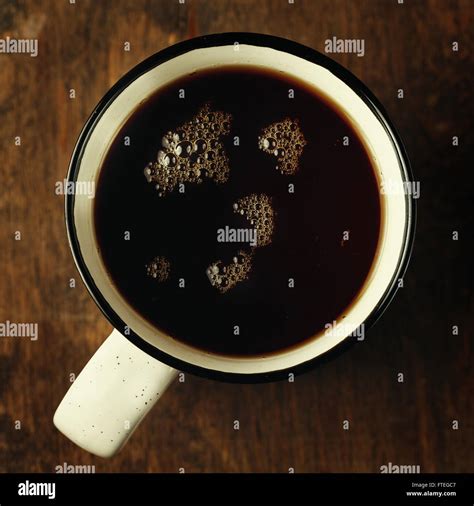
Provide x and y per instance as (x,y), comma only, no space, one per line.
(225,277)
(159,268)
(285,141)
(192,153)
(258,210)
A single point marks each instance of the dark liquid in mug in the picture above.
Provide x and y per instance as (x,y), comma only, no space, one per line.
(238,211)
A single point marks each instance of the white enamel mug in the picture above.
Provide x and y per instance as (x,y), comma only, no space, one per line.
(137,362)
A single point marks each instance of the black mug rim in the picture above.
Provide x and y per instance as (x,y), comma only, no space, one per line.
(296,49)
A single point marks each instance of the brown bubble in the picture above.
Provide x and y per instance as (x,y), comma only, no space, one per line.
(224,277)
(285,141)
(189,146)
(258,210)
(159,268)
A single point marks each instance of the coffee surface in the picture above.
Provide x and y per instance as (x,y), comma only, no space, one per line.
(238,211)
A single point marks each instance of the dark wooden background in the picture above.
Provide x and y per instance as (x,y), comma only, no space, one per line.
(282,425)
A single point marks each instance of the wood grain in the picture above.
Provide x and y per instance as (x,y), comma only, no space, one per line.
(282,425)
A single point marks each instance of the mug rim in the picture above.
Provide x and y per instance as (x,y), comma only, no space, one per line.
(280,44)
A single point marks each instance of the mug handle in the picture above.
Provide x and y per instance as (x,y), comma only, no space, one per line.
(111,396)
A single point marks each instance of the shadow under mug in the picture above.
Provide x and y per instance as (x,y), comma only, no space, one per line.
(136,363)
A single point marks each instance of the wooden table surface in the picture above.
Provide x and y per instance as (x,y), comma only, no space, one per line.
(282,425)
